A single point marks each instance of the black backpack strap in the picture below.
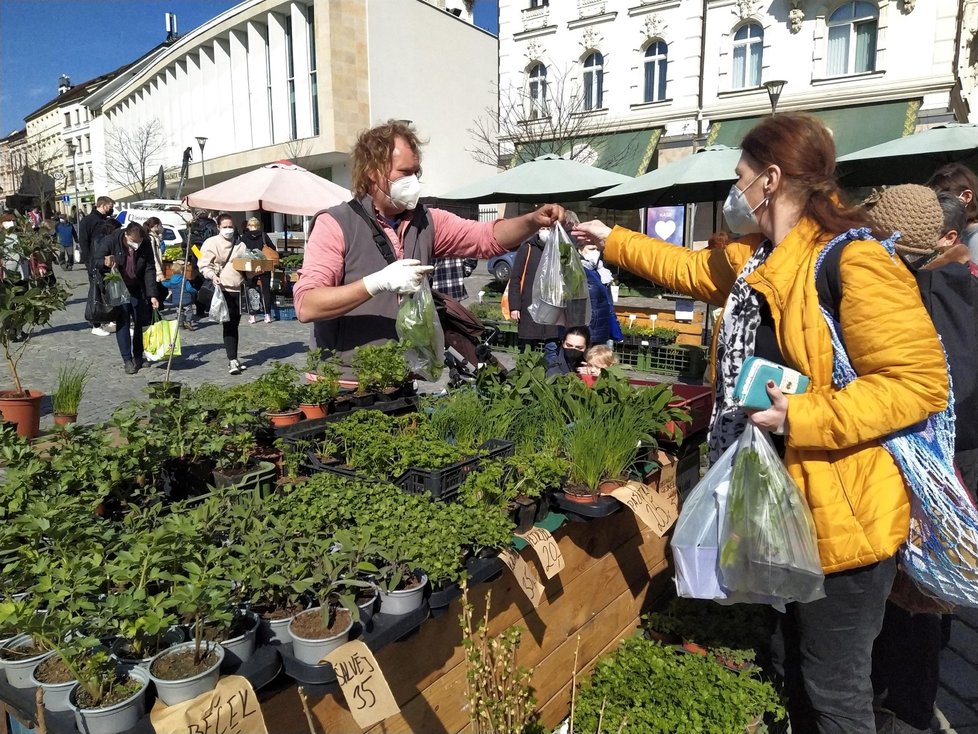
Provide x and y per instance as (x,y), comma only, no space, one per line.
(380,239)
(828,283)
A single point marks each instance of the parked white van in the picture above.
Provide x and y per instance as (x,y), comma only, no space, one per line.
(173,214)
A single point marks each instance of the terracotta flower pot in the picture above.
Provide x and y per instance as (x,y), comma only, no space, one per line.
(581,499)
(63,419)
(610,485)
(312,410)
(692,647)
(24,410)
(285,417)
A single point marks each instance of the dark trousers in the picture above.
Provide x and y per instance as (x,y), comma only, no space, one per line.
(136,313)
(824,652)
(906,664)
(230,328)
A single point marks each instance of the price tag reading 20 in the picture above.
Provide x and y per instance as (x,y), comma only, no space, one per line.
(525,577)
(544,545)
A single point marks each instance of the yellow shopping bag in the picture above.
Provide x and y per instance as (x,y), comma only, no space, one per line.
(160,338)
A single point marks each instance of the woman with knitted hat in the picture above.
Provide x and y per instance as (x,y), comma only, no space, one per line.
(787,206)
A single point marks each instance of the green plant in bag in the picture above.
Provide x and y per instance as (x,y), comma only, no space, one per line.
(421,334)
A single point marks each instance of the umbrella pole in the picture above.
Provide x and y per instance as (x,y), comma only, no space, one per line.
(183,289)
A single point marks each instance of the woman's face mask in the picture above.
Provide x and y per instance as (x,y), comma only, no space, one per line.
(592,256)
(405,192)
(739,213)
(227,232)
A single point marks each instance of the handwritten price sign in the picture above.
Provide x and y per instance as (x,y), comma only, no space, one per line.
(231,708)
(525,577)
(658,511)
(544,545)
(363,683)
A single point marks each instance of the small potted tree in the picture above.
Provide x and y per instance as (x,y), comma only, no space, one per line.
(27,304)
(67,396)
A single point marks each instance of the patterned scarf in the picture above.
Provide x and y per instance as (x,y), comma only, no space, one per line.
(735,343)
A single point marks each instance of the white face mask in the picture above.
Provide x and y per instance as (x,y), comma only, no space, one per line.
(738,212)
(544,235)
(405,192)
(227,232)
(592,256)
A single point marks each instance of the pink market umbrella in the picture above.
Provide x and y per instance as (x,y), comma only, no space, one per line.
(278,187)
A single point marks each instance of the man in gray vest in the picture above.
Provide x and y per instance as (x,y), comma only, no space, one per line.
(363,254)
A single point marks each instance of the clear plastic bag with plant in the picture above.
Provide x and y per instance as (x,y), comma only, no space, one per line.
(560,294)
(116,292)
(420,332)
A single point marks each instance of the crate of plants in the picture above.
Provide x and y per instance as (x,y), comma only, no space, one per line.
(647,336)
(443,484)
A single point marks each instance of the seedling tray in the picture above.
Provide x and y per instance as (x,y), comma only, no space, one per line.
(316,427)
(260,481)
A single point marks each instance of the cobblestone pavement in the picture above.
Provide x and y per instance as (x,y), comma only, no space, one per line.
(69,338)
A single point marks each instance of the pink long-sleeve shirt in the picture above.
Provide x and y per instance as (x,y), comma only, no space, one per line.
(323,264)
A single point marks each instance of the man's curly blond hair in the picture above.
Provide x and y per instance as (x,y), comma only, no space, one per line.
(373,150)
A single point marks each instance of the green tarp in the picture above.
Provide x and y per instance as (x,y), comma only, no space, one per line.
(854,128)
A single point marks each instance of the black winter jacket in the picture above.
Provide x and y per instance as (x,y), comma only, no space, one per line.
(86,232)
(143,286)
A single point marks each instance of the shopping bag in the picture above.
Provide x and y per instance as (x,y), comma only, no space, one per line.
(97,309)
(116,292)
(695,541)
(420,332)
(560,294)
(219,307)
(768,546)
(161,339)
(205,294)
(251,303)
(77,253)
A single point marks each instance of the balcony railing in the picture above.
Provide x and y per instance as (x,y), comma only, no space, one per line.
(534,18)
(587,8)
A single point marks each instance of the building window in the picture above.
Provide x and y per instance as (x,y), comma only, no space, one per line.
(67,119)
(537,92)
(852,39)
(290,75)
(594,81)
(78,117)
(539,3)
(748,52)
(656,60)
(313,84)
(88,144)
(268,78)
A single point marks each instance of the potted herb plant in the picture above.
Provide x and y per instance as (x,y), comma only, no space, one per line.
(380,370)
(106,699)
(323,385)
(277,393)
(67,396)
(28,303)
(400,584)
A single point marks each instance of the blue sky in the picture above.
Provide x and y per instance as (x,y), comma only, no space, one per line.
(42,39)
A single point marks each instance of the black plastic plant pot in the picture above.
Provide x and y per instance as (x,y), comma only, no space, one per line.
(365,400)
(341,404)
(543,506)
(444,596)
(524,514)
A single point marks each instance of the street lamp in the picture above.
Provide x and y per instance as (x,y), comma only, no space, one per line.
(203,179)
(774,88)
(74,179)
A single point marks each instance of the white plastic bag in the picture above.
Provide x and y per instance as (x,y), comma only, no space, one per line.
(77,253)
(116,292)
(419,330)
(695,541)
(560,294)
(219,307)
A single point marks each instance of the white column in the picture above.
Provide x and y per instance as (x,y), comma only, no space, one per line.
(221,93)
(209,120)
(240,102)
(259,102)
(300,68)
(280,91)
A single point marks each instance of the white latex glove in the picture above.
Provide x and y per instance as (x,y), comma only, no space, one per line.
(402,276)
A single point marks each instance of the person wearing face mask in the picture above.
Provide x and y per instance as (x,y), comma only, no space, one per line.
(520,294)
(961,181)
(570,356)
(129,251)
(216,257)
(604,326)
(87,229)
(787,205)
(154,232)
(364,254)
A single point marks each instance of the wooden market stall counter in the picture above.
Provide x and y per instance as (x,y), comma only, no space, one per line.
(615,568)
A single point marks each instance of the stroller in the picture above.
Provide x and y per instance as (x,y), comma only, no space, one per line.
(466,341)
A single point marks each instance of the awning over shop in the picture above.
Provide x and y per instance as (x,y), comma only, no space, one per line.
(628,153)
(853,128)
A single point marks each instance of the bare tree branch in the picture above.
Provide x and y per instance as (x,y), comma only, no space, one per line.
(297,149)
(37,175)
(528,128)
(133,156)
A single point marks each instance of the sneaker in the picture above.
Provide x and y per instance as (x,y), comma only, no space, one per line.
(268,319)
(99,331)
(234,368)
(131,367)
(251,319)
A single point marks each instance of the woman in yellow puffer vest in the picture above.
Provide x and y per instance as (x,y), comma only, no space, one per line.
(786,193)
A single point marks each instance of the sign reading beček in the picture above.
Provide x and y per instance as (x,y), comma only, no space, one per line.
(363,684)
(231,708)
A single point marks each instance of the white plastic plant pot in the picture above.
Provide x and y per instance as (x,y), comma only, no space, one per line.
(275,631)
(367,609)
(19,671)
(176,691)
(310,651)
(403,601)
(114,719)
(121,654)
(241,648)
(55,694)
